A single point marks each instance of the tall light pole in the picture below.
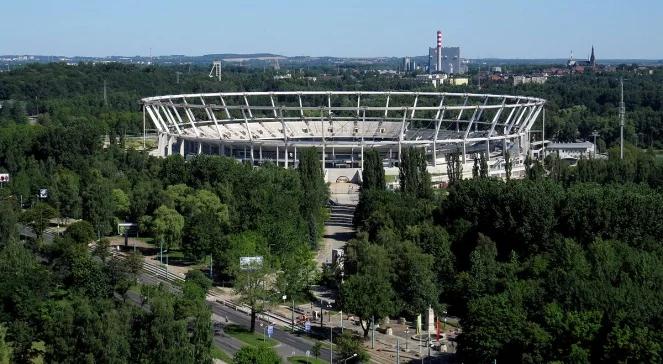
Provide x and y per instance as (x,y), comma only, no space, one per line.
(372,332)
(331,334)
(398,351)
(621,119)
(595,134)
(331,344)
(211,272)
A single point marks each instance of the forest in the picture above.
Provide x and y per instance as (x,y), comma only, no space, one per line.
(564,266)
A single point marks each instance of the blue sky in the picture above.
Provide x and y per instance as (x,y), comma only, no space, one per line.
(358,28)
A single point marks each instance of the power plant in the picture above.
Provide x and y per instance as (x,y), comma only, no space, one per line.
(445,59)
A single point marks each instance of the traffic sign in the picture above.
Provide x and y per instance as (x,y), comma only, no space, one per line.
(307,326)
(270,330)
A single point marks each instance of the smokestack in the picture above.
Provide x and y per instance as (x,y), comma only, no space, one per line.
(439,51)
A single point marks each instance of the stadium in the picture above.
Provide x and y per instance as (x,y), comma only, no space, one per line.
(269,127)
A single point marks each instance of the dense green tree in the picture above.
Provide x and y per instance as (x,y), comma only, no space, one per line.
(167,226)
(256,355)
(369,293)
(8,230)
(347,346)
(454,167)
(121,203)
(98,203)
(38,217)
(315,191)
(415,280)
(372,175)
(65,193)
(413,175)
(250,285)
(81,232)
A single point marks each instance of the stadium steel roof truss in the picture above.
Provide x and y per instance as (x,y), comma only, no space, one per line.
(435,121)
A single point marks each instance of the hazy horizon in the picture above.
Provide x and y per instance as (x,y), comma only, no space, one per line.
(518,29)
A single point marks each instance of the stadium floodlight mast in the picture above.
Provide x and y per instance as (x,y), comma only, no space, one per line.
(261,127)
(622,112)
(595,134)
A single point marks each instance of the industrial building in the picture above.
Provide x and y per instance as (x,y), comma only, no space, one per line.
(445,59)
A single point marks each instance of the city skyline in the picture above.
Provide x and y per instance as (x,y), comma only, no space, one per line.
(348,29)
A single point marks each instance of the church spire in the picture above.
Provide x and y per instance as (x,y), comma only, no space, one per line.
(592,59)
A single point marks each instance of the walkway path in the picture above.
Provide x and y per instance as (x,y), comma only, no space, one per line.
(338,229)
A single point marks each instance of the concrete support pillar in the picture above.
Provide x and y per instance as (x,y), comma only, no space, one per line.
(464,151)
(400,151)
(252,159)
(391,158)
(362,157)
(200,148)
(161,144)
(182,147)
(170,146)
(294,159)
(244,155)
(352,157)
(323,156)
(260,152)
(277,155)
(286,157)
(434,154)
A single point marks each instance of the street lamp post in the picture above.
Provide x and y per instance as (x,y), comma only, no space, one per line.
(331,334)
(331,344)
(372,332)
(422,358)
(398,351)
(348,358)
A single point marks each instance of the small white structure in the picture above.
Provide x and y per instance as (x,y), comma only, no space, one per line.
(572,150)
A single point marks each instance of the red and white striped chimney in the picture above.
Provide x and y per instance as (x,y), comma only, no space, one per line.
(438,66)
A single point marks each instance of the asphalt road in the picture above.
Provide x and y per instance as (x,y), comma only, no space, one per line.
(288,343)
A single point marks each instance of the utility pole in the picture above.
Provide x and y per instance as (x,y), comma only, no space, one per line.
(293,313)
(331,343)
(144,133)
(372,332)
(398,351)
(595,134)
(621,119)
(211,273)
(543,134)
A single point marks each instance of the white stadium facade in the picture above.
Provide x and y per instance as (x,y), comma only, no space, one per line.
(269,127)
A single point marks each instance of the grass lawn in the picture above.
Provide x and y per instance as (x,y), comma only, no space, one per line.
(220,354)
(250,338)
(303,360)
